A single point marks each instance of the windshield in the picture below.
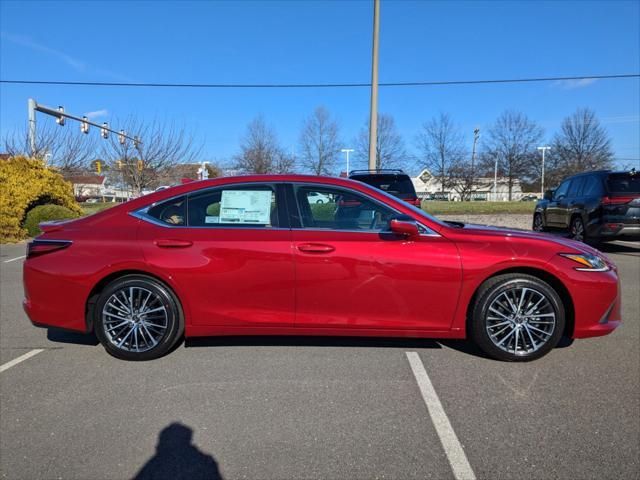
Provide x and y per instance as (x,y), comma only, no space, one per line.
(397,185)
(623,183)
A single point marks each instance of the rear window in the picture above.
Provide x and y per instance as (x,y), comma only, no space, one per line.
(623,183)
(397,185)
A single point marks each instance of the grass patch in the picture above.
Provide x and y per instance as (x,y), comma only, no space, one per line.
(91,208)
(470,208)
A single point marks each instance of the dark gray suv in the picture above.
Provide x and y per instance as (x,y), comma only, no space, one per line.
(593,206)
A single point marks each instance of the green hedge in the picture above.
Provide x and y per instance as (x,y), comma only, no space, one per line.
(45,213)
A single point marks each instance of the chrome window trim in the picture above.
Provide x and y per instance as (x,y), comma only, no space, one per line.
(142,213)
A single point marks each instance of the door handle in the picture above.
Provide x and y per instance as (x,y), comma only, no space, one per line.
(173,243)
(316,248)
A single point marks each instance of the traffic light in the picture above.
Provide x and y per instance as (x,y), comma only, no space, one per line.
(119,164)
(136,142)
(140,165)
(60,120)
(84,126)
(98,166)
(121,137)
(104,132)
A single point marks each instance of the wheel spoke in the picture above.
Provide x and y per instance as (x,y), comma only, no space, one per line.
(520,320)
(126,315)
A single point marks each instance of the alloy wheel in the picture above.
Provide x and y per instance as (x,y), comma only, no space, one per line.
(520,320)
(135,319)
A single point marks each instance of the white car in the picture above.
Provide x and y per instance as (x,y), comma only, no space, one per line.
(317,197)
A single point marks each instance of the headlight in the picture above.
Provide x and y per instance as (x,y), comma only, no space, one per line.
(588,262)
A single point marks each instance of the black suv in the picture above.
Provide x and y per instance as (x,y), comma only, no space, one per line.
(593,207)
(394,182)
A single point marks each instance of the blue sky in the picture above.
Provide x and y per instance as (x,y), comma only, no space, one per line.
(323,41)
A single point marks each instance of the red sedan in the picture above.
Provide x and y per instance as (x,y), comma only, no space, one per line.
(254,256)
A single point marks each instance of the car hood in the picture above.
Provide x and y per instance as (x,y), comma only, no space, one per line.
(566,243)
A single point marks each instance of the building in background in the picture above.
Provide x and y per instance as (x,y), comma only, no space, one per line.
(87,186)
(429,187)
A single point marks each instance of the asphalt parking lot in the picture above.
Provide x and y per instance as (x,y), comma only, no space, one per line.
(317,407)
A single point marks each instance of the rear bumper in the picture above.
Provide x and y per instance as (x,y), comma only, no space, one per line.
(53,300)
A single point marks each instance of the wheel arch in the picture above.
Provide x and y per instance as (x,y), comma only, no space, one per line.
(106,280)
(543,275)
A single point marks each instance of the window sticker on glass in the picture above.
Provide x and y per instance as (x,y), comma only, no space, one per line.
(211,219)
(246,206)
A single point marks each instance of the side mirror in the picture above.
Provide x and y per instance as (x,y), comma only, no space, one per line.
(405,228)
(548,195)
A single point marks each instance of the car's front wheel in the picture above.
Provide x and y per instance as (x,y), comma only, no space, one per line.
(138,318)
(517,317)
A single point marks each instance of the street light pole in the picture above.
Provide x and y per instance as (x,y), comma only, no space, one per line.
(373,118)
(347,151)
(543,150)
(495,182)
(476,136)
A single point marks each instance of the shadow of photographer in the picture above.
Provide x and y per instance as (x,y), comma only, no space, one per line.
(178,458)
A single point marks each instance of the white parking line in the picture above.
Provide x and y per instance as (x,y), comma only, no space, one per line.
(21,358)
(452,447)
(14,259)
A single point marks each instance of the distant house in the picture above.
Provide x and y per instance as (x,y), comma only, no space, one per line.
(86,186)
(429,187)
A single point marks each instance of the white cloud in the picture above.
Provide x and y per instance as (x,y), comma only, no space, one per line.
(76,64)
(27,42)
(573,84)
(97,113)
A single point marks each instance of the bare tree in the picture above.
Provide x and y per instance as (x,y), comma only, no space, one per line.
(442,147)
(161,147)
(260,151)
(512,142)
(64,148)
(390,148)
(582,144)
(319,142)
(463,179)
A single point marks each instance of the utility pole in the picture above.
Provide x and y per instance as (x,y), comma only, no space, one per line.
(347,151)
(543,150)
(373,118)
(32,126)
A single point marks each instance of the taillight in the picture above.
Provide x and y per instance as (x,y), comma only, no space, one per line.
(42,247)
(616,200)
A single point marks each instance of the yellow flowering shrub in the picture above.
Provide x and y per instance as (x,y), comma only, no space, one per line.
(26,183)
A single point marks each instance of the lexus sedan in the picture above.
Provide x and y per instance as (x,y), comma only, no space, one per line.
(254,255)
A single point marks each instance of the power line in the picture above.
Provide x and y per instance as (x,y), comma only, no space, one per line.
(315,85)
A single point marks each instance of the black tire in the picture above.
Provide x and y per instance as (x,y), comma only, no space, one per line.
(166,301)
(577,230)
(538,223)
(486,296)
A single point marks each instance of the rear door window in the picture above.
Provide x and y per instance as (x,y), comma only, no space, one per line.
(172,212)
(592,187)
(575,189)
(243,206)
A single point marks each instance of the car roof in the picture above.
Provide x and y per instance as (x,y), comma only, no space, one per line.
(239,179)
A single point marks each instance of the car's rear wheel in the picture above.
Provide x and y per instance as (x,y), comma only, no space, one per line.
(538,224)
(138,318)
(517,317)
